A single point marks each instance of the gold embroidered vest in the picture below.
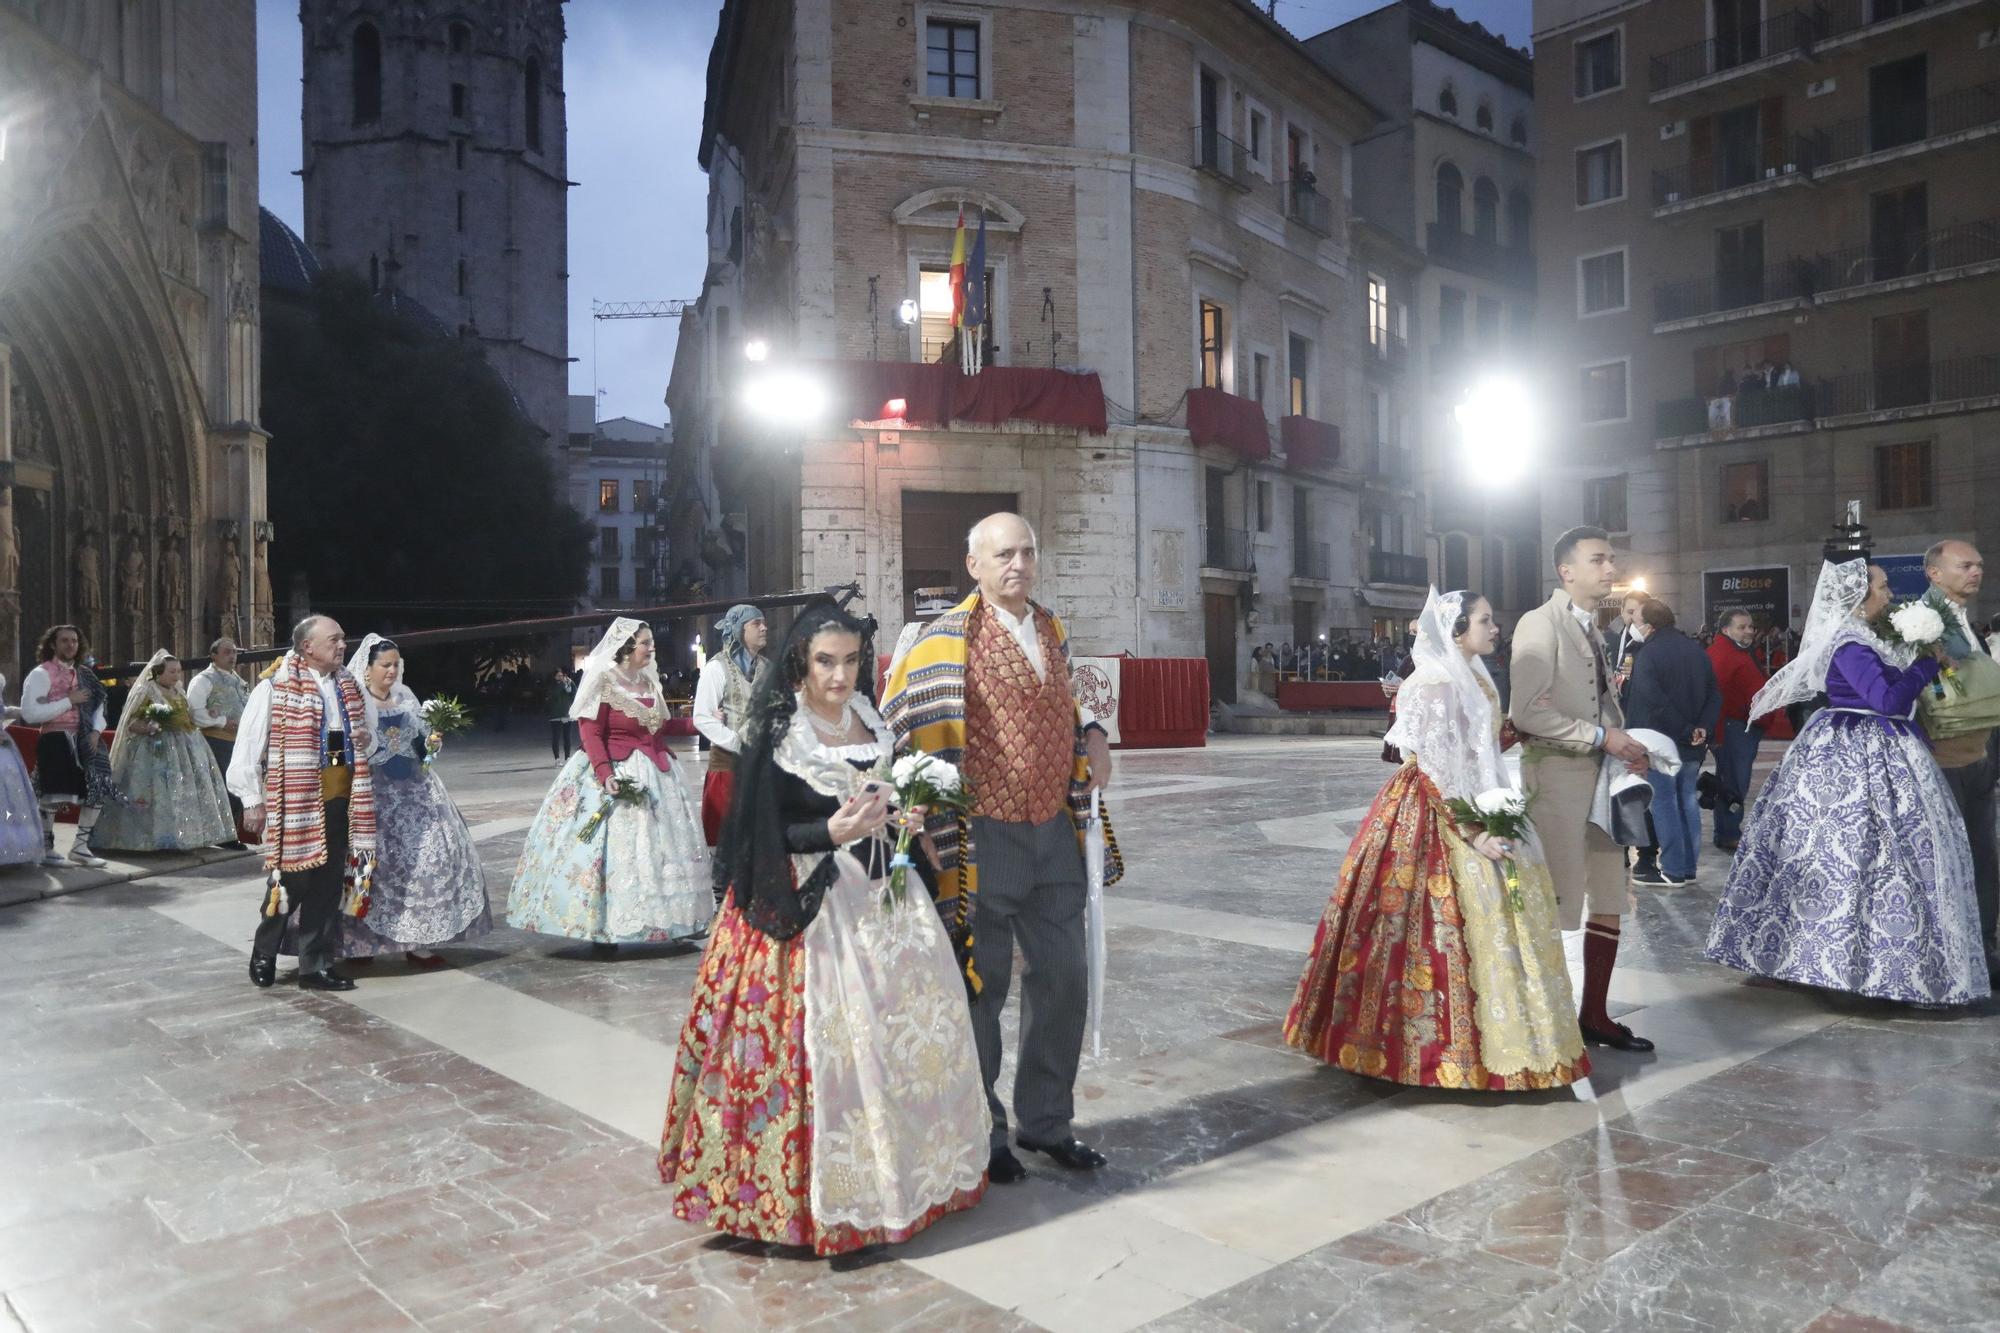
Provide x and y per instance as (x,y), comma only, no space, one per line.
(1020,741)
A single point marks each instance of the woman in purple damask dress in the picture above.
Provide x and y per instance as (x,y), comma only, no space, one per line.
(1854,872)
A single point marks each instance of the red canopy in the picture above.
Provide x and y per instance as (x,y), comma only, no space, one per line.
(1309,443)
(933,394)
(1215,416)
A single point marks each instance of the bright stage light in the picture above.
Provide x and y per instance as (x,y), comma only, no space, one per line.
(1497,423)
(908,310)
(786,397)
(757,349)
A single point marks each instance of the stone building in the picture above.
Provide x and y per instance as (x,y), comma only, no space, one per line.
(1770,259)
(435,162)
(131,462)
(1449,175)
(1165,193)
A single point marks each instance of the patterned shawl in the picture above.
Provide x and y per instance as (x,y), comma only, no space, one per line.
(295,827)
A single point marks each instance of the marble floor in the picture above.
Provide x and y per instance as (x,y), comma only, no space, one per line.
(472,1148)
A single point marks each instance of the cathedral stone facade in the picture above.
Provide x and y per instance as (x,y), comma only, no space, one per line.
(435,164)
(131,461)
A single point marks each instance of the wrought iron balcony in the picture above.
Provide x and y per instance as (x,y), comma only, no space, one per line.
(1888,258)
(1312,560)
(1896,125)
(1790,158)
(1409,571)
(1309,208)
(1676,417)
(1785,280)
(1384,348)
(1792,32)
(1220,155)
(1911,384)
(1225,548)
(1480,254)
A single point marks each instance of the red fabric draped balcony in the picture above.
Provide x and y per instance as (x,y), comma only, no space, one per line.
(935,395)
(1309,443)
(1215,416)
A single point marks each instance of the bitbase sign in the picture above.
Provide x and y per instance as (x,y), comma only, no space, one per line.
(1765,593)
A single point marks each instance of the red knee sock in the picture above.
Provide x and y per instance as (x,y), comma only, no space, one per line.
(1600,951)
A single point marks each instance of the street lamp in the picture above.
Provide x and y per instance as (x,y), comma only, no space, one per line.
(1497,423)
(907,311)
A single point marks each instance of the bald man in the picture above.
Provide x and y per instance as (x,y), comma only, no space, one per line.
(1971,763)
(986,686)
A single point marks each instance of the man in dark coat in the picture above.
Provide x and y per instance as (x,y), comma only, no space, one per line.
(1673,692)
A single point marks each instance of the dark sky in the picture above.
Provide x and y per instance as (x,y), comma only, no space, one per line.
(635,74)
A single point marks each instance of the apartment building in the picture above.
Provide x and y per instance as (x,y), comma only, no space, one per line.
(1769,261)
(1169,367)
(1449,176)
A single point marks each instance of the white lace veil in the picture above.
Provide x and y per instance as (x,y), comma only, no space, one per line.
(144,691)
(399,693)
(1445,710)
(597,668)
(1830,623)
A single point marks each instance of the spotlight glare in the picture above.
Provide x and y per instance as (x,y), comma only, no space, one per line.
(757,349)
(786,397)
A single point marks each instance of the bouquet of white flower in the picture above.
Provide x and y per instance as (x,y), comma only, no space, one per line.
(1919,625)
(1502,812)
(920,780)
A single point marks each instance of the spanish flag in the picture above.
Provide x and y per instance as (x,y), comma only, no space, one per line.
(958,272)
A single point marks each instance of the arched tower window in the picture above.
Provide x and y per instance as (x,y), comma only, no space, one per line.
(461,39)
(531,101)
(1448,101)
(1520,220)
(367,75)
(1450,192)
(1518,131)
(1483,117)
(1486,211)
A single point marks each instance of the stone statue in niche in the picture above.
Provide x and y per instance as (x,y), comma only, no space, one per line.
(10,548)
(229,585)
(132,598)
(173,591)
(264,622)
(89,561)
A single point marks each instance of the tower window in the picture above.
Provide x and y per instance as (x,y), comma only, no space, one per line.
(461,39)
(461,210)
(461,277)
(458,101)
(531,102)
(367,90)
(1448,101)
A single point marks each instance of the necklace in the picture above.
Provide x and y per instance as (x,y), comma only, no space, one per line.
(833,733)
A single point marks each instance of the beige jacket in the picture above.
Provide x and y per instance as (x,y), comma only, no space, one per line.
(1559,698)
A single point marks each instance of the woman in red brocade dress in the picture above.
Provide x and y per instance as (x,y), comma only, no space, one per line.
(1429,969)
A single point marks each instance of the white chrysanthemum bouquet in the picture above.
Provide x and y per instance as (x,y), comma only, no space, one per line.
(1503,813)
(920,780)
(1919,624)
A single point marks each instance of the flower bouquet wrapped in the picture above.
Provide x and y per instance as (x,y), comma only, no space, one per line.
(622,790)
(1919,625)
(1503,813)
(443,716)
(925,780)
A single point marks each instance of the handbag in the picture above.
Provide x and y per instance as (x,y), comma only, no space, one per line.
(1949,712)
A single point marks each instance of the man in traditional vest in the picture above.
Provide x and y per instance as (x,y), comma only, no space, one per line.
(61,696)
(722,706)
(986,686)
(300,767)
(215,699)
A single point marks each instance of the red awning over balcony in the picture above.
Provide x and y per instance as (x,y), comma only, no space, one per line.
(1309,443)
(934,395)
(1215,416)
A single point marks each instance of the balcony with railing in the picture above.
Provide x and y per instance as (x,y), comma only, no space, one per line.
(1308,207)
(1384,349)
(1391,462)
(1735,51)
(1225,548)
(1937,253)
(1910,384)
(1221,156)
(1846,21)
(1409,571)
(1913,125)
(1761,165)
(1480,254)
(1783,405)
(1312,560)
(1701,298)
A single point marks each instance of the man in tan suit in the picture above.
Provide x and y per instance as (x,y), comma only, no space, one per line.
(1565,706)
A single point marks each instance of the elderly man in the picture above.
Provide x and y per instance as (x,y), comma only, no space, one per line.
(1970,763)
(986,685)
(215,699)
(1566,710)
(300,767)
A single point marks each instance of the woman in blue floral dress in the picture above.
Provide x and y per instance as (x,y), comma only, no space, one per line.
(174,797)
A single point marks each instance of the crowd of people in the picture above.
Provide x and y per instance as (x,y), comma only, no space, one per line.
(1341,659)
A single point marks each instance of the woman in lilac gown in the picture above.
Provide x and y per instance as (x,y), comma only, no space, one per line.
(1854,872)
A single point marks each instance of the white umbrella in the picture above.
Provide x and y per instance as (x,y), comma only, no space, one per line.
(1093,862)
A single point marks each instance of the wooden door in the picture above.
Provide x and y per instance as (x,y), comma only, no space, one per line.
(1219,639)
(934,528)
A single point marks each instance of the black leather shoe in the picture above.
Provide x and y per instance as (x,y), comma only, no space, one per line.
(263,970)
(1004,1168)
(1618,1038)
(1069,1153)
(327,979)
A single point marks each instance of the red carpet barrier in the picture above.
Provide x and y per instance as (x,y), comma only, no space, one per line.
(1163,701)
(1323,696)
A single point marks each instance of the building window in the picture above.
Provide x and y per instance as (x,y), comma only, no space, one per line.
(461,277)
(1263,506)
(1899,232)
(1600,64)
(1903,476)
(461,39)
(1457,561)
(642,496)
(1486,211)
(1898,102)
(1604,396)
(1739,266)
(952,59)
(1214,344)
(934,306)
(607,583)
(607,497)
(1450,192)
(1600,173)
(1520,221)
(1260,377)
(458,154)
(1298,366)
(1601,283)
(1518,131)
(1746,492)
(607,544)
(1486,322)
(1604,503)
(1451,317)
(215,189)
(1378,315)
(1448,103)
(367,74)
(531,102)
(458,101)
(1901,346)
(461,210)
(1482,117)
(1260,137)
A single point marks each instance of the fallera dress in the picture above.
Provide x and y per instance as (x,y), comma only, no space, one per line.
(175,799)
